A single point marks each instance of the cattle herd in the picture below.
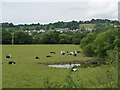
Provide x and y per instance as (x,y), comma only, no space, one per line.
(69,53)
(9,56)
(73,53)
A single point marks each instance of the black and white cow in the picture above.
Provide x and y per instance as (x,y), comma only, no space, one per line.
(48,56)
(11,62)
(62,52)
(52,52)
(9,56)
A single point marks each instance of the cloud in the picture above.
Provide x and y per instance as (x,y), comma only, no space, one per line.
(59,1)
(46,12)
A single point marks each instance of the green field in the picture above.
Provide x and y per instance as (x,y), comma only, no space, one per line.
(0,66)
(31,73)
(87,25)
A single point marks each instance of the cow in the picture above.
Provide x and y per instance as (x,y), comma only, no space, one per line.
(37,57)
(11,62)
(74,54)
(63,52)
(52,52)
(71,53)
(73,69)
(9,56)
(48,56)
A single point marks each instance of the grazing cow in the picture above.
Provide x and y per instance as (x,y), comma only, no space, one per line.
(11,62)
(10,55)
(37,57)
(7,56)
(74,54)
(48,56)
(52,52)
(63,52)
(74,69)
(71,53)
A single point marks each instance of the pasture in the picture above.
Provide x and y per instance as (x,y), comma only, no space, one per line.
(87,25)
(29,72)
(0,66)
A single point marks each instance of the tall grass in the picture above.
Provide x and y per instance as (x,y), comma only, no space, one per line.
(108,81)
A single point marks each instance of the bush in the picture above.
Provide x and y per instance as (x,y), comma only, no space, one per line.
(88,50)
(112,57)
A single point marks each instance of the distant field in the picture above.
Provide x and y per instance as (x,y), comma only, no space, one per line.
(0,51)
(31,73)
(87,25)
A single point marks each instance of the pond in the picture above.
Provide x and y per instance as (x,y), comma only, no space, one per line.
(64,65)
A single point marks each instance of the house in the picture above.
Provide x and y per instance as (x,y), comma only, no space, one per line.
(88,27)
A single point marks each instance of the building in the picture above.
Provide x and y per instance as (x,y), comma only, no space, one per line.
(88,27)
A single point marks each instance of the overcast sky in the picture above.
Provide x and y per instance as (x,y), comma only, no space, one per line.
(19,12)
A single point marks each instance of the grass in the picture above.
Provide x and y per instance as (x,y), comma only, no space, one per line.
(87,25)
(0,66)
(31,73)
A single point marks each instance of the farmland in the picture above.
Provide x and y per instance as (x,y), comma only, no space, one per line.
(0,66)
(29,72)
(87,25)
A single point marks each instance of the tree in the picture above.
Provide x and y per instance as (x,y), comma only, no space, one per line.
(88,50)
(77,37)
(87,44)
(73,25)
(50,37)
(88,39)
(58,24)
(38,39)
(6,37)
(105,41)
(65,39)
(22,38)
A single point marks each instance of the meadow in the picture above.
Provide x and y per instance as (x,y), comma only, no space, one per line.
(87,25)
(29,72)
(0,66)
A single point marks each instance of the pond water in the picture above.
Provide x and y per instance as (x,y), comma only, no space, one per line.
(64,65)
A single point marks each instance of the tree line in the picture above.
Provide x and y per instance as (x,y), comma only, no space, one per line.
(16,33)
(60,24)
(49,37)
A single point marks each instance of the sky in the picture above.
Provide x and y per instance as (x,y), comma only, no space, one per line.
(39,11)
